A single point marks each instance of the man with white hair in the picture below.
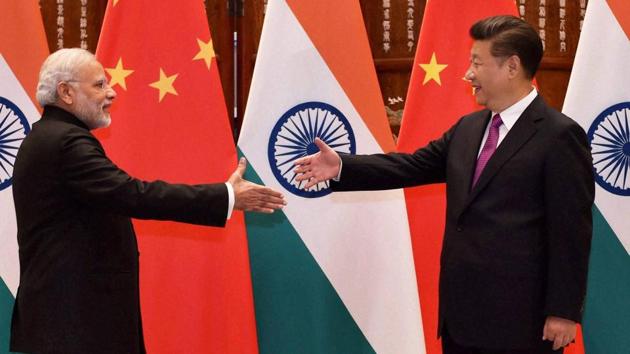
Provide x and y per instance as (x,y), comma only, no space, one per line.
(78,288)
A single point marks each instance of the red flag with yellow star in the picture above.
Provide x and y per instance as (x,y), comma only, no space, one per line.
(169,122)
(437,98)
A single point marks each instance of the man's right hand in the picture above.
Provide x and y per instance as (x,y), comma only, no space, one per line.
(250,196)
(318,167)
(560,331)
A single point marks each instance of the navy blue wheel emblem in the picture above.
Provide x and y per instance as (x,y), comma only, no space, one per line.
(13,129)
(293,137)
(609,136)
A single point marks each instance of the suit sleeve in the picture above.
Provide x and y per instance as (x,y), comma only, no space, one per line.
(95,180)
(569,193)
(396,170)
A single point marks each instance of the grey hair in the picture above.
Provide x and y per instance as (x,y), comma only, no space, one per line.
(62,65)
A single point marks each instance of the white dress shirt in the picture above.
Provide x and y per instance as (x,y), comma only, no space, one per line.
(230,199)
(509,116)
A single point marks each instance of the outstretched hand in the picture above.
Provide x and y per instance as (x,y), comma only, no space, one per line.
(250,196)
(319,167)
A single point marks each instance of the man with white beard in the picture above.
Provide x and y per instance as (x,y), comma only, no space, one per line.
(78,253)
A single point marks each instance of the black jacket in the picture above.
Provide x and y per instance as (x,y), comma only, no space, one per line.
(516,245)
(78,288)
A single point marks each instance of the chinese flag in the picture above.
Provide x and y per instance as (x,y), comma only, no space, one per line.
(169,122)
(436,99)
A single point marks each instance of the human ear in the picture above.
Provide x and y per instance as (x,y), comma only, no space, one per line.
(514,65)
(65,93)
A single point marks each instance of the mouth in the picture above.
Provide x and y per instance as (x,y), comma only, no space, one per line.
(476,89)
(106,107)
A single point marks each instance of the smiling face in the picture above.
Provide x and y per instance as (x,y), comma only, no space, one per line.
(93,96)
(489,77)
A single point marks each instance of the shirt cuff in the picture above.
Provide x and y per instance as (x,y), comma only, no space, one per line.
(336,179)
(230,190)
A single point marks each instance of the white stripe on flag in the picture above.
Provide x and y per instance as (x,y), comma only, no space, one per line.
(11,90)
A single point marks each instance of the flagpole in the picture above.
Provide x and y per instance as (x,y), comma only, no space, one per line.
(235,10)
(235,85)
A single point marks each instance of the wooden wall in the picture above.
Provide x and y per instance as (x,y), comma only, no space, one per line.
(392,26)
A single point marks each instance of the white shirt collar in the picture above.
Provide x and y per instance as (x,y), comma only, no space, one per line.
(510,115)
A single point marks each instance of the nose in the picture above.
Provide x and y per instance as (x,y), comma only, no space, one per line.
(469,75)
(111,94)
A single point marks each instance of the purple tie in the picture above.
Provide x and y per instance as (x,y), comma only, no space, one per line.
(489,147)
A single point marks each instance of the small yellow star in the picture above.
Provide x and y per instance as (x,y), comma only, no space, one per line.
(118,75)
(165,84)
(206,52)
(432,70)
(116,2)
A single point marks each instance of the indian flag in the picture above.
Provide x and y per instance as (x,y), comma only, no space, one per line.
(598,97)
(332,273)
(22,51)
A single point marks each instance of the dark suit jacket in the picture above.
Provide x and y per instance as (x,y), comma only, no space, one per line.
(78,288)
(516,245)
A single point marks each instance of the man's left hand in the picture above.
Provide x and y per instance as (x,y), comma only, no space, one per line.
(560,331)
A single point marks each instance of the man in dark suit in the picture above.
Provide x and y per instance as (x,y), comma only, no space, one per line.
(78,288)
(519,187)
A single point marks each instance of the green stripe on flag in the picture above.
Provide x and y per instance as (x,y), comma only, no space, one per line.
(607,309)
(297,308)
(6,309)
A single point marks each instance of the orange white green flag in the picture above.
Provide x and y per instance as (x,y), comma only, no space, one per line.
(23,49)
(598,97)
(332,273)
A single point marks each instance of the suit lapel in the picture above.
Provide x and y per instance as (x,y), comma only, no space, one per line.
(521,132)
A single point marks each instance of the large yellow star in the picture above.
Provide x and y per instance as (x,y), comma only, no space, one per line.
(432,70)
(206,52)
(165,84)
(118,75)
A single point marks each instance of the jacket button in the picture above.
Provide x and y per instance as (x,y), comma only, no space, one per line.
(459,229)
